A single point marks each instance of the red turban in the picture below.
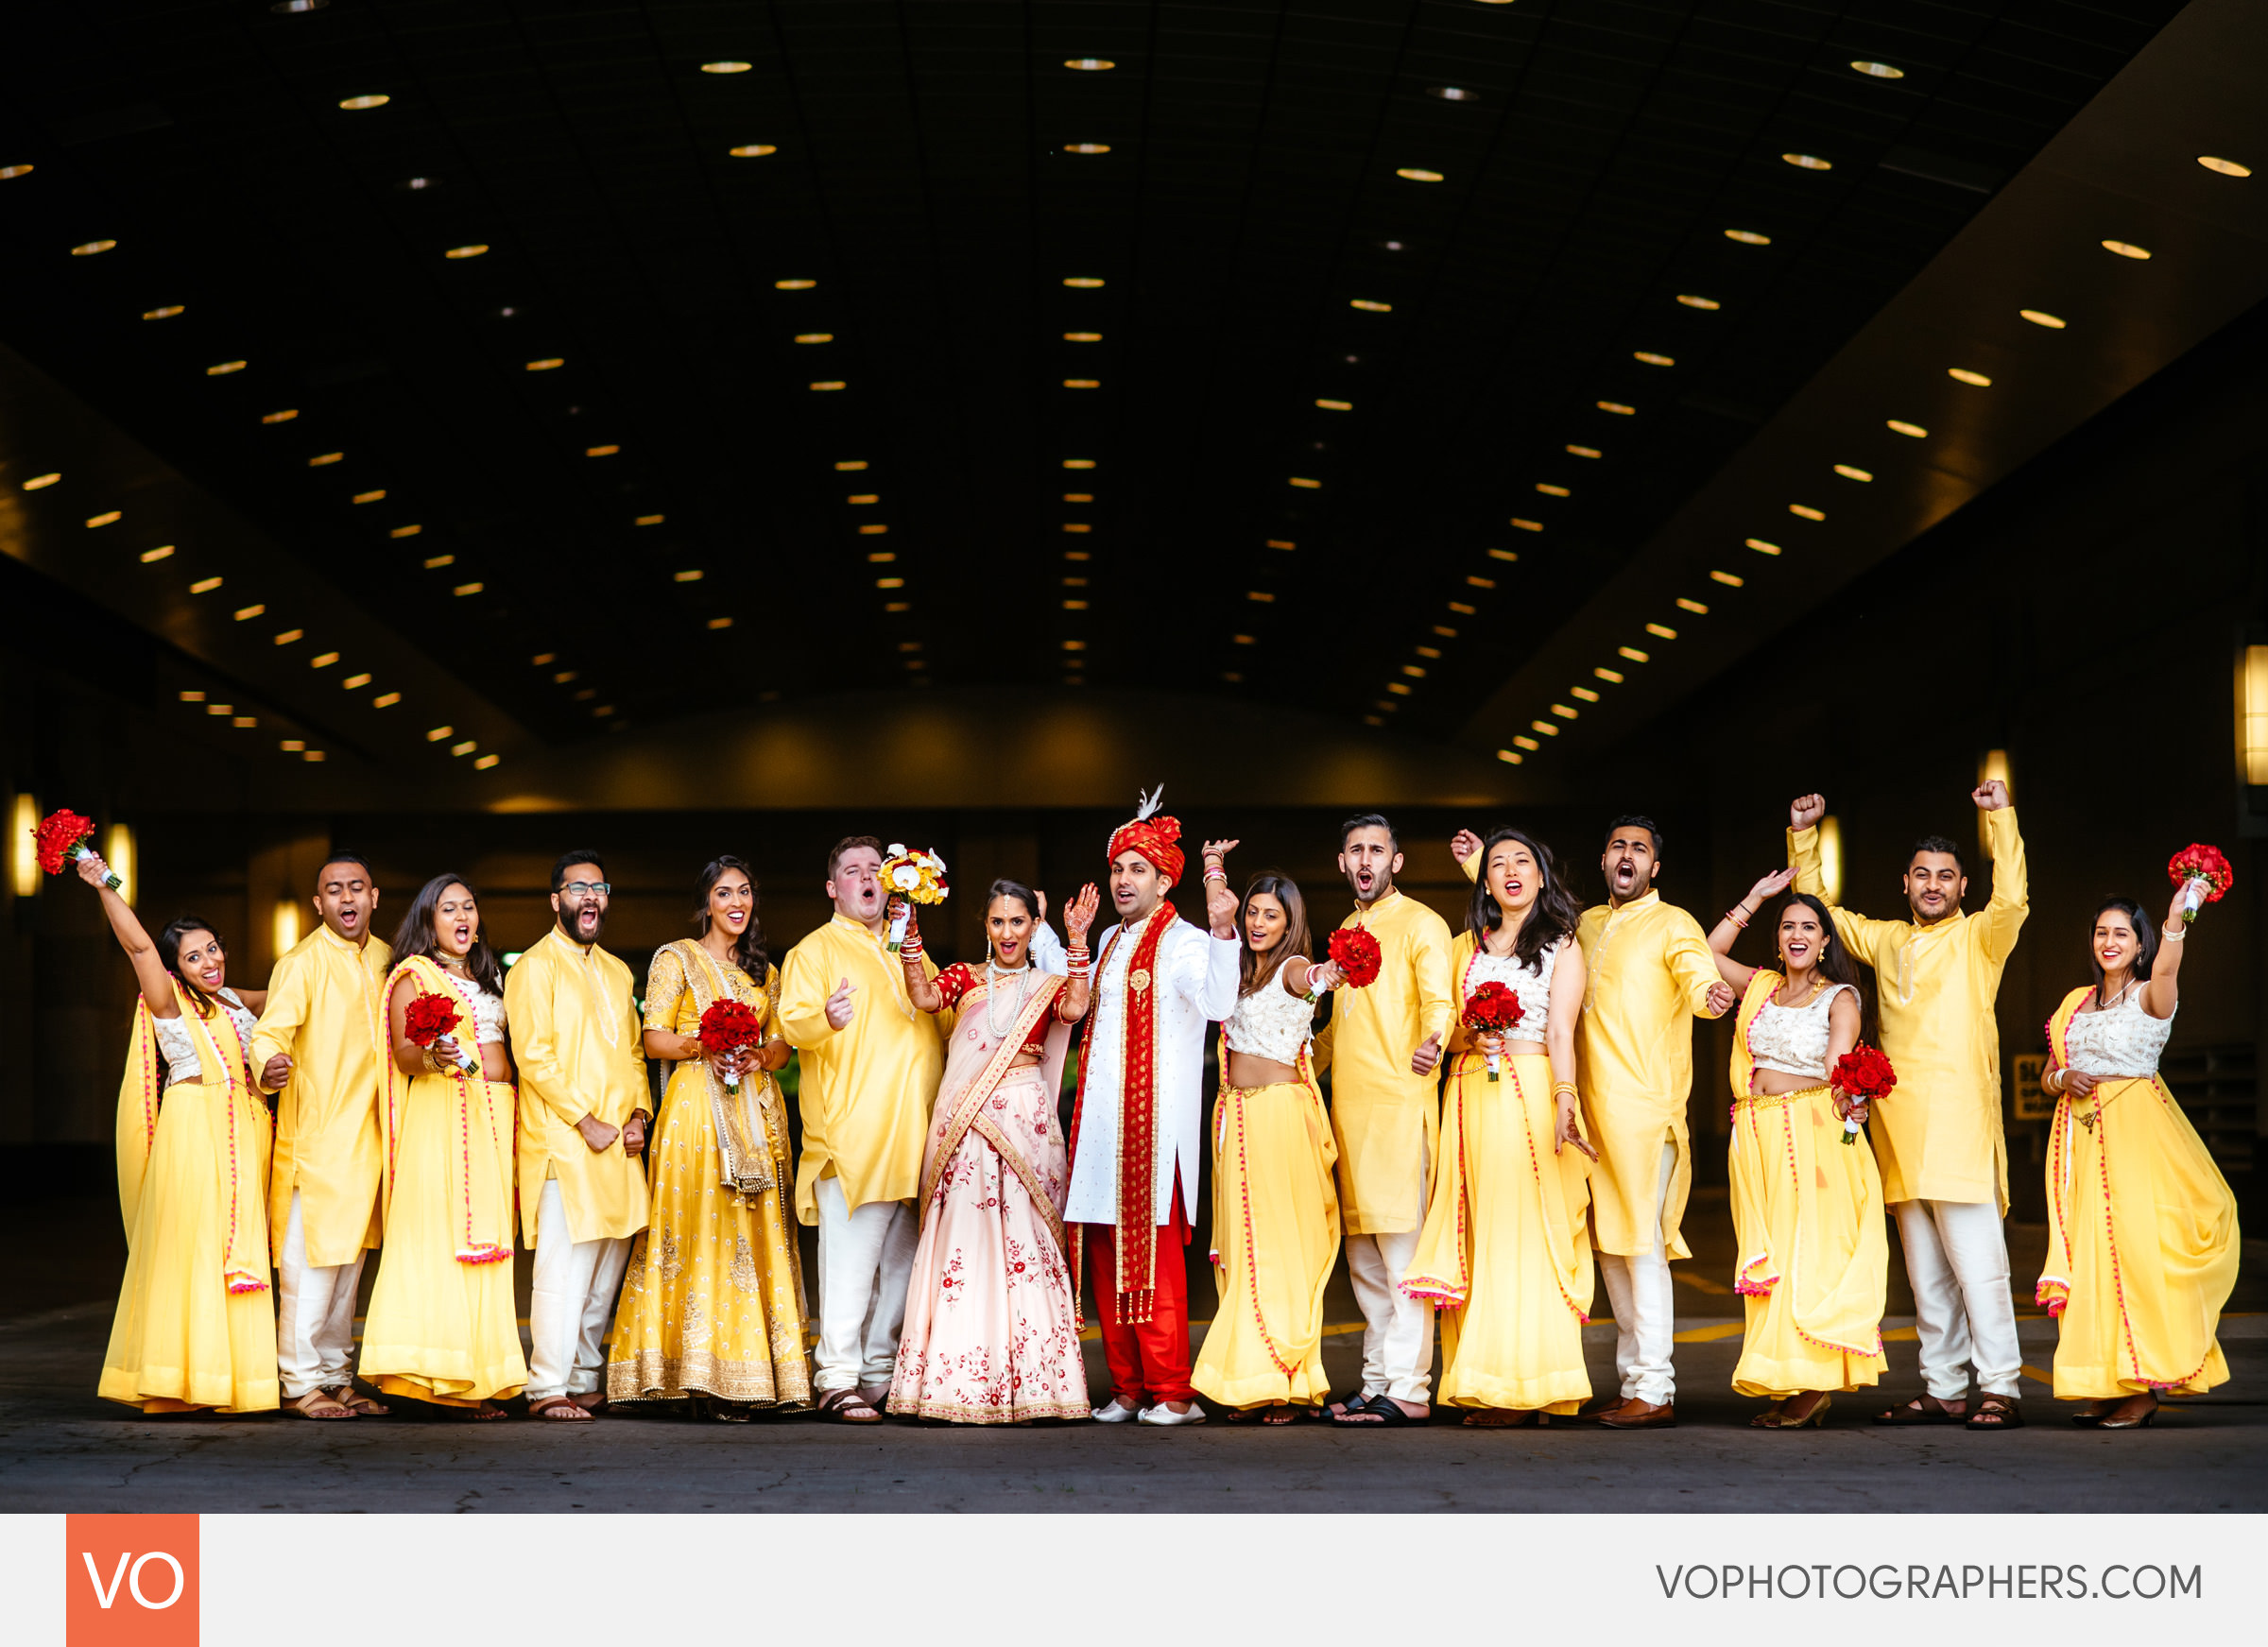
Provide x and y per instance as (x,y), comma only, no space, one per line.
(1154,838)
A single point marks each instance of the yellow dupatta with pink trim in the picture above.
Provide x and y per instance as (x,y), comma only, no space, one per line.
(484,1211)
(240,1131)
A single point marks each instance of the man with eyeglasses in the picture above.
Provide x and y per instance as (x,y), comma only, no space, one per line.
(870,1067)
(581,1059)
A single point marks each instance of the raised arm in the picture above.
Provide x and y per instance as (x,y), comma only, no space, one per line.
(1070,1004)
(2163,992)
(2003,917)
(1694,970)
(1735,920)
(1465,847)
(920,988)
(1804,813)
(149,973)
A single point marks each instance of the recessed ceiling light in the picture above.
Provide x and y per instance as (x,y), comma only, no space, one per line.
(1511,756)
(1690,302)
(224,368)
(435,562)
(465,588)
(285,415)
(863,497)
(1074,605)
(1584,693)
(1584,452)
(829,385)
(2211,163)
(881,557)
(1617,409)
(1974,379)
(1261,595)
(1476,581)
(540,658)
(386,700)
(1082,336)
(1283,543)
(2041,318)
(1810,162)
(435,734)
(1878,71)
(91,247)
(1565,712)
(1369,306)
(324,460)
(1082,382)
(600,451)
(458,253)
(1851,471)
(1245,640)
(1634,653)
(1612,676)
(245,614)
(564,676)
(1729,579)
(1415,671)
(108,517)
(162,552)
(1453,93)
(1090,65)
(1077,554)
(1691,605)
(1652,359)
(1086,149)
(354,682)
(1808,513)
(204,586)
(1336,405)
(291,636)
(1445,631)
(418,186)
(890,583)
(165,312)
(1304,484)
(720,622)
(409,531)
(1550,491)
(1459,607)
(650,519)
(1078,497)
(691,575)
(2127,249)
(549,362)
(815,337)
(41,482)
(1527,743)
(1748,237)
(368,100)
(1899,427)
(725,67)
(1078,463)
(486,761)
(874,530)
(240,722)
(14,171)
(1399,689)
(370,497)
(1417,173)
(1760,546)
(1503,554)
(1546,727)
(753,150)
(1429,651)
(794,285)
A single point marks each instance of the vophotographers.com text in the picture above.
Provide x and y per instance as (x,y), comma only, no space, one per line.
(1884,1581)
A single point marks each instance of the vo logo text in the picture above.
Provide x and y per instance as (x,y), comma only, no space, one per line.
(130,1580)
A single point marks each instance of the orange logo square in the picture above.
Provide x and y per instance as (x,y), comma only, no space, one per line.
(130,1580)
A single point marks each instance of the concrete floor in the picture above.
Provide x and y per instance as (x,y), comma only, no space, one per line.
(62,1449)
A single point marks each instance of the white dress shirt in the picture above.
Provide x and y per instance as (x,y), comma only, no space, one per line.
(1197,976)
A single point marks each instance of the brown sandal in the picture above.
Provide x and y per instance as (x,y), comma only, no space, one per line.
(319,1404)
(361,1406)
(845,1407)
(1781,1415)
(1921,1410)
(1996,1412)
(559,1410)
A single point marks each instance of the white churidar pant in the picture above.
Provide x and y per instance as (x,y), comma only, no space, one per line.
(1957,1260)
(1398,1329)
(1645,1308)
(865,1262)
(571,1304)
(315,1315)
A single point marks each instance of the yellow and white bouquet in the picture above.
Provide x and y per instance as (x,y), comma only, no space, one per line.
(915,876)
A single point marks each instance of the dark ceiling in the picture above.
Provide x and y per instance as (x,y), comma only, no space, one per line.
(1352,338)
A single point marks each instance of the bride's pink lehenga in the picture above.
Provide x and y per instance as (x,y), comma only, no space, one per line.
(991,1321)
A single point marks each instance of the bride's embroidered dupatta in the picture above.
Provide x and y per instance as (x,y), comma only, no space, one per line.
(977,1061)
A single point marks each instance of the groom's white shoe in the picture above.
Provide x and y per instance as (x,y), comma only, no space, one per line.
(1112,1412)
(1161,1413)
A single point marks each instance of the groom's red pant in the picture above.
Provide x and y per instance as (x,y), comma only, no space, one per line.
(1149,1362)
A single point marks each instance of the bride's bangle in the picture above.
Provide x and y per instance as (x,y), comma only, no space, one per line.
(2176,935)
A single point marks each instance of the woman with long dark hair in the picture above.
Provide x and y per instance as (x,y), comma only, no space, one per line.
(2142,1238)
(195,1326)
(442,1326)
(1274,1209)
(1505,1254)
(1807,1197)
(713,1306)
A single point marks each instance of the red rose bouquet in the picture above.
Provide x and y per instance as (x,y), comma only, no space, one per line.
(2205,871)
(1357,955)
(431,1016)
(1862,1074)
(727,1026)
(63,839)
(1491,1009)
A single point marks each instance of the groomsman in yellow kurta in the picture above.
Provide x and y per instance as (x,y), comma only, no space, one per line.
(321,1041)
(583,1112)
(1383,1046)
(1651,974)
(871,1065)
(1938,1137)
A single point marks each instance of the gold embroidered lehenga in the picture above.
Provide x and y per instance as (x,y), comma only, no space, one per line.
(714,1302)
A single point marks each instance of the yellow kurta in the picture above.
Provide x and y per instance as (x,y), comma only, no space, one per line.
(1387,1120)
(2142,1242)
(865,1091)
(712,1302)
(1505,1256)
(1814,1250)
(1276,1236)
(326,1007)
(1939,1132)
(576,1042)
(193,1175)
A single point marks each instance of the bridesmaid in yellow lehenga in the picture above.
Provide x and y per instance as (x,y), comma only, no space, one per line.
(196,1326)
(2142,1239)
(443,1326)
(1274,1209)
(1807,1204)
(713,1308)
(1505,1252)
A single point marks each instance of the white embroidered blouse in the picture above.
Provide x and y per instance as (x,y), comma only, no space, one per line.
(1793,1039)
(178,1042)
(1271,1022)
(2118,1040)
(1532,985)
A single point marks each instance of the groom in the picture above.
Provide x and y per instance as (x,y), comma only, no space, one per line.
(1140,1114)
